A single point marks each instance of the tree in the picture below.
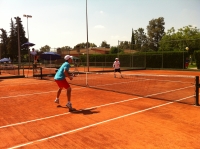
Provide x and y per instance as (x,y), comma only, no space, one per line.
(4,42)
(46,48)
(23,39)
(155,31)
(132,40)
(62,49)
(12,44)
(141,39)
(165,43)
(105,45)
(92,45)
(191,37)
(187,36)
(84,45)
(124,45)
(115,50)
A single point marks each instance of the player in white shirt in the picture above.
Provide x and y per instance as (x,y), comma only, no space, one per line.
(116,66)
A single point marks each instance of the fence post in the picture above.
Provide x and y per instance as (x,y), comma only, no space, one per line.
(23,69)
(197,91)
(41,73)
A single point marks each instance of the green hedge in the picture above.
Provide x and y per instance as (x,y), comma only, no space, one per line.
(142,59)
(166,59)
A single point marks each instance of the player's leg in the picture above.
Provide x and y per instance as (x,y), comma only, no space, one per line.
(58,92)
(69,105)
(68,89)
(120,73)
(118,70)
(69,94)
(59,83)
(115,73)
(58,95)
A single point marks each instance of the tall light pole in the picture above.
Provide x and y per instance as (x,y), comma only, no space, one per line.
(87,39)
(28,16)
(118,49)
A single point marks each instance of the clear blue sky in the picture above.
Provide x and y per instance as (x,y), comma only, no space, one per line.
(59,23)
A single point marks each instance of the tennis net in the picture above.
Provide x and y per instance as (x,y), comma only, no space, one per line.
(179,88)
(11,70)
(164,87)
(44,73)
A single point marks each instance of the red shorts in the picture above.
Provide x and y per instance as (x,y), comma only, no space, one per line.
(62,83)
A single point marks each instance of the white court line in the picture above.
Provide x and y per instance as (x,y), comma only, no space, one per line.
(18,84)
(53,116)
(118,83)
(95,124)
(146,74)
(35,93)
(27,94)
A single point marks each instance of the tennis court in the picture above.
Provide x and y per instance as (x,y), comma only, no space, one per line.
(144,109)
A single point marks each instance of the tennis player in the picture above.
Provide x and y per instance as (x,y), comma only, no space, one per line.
(116,66)
(60,79)
(33,54)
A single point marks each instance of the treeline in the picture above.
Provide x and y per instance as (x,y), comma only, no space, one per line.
(156,39)
(9,43)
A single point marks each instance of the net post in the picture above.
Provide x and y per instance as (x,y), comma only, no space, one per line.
(18,70)
(86,79)
(33,69)
(197,91)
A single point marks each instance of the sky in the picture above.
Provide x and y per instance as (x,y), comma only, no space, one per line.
(59,23)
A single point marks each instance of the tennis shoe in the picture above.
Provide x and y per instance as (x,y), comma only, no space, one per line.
(57,101)
(69,105)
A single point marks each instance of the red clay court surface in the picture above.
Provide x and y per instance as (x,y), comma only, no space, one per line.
(29,118)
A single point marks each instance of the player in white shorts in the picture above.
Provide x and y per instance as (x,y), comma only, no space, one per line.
(116,66)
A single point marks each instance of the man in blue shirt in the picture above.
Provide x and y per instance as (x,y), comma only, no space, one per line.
(59,78)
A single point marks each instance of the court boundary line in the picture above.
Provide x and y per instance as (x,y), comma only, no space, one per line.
(146,74)
(48,117)
(18,84)
(36,93)
(95,124)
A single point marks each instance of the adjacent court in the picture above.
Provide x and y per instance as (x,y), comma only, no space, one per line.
(144,109)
